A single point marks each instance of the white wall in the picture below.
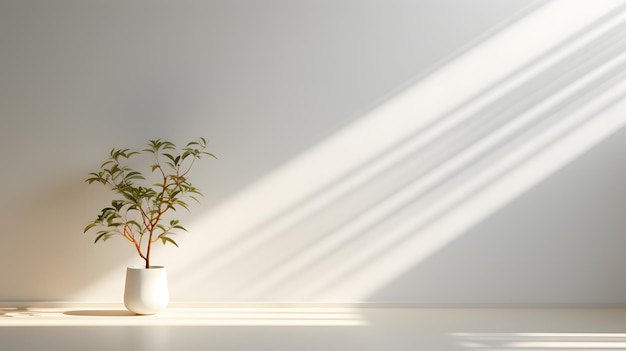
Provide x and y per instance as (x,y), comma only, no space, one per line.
(407,151)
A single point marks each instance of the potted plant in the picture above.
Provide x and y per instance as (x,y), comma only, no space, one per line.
(140,212)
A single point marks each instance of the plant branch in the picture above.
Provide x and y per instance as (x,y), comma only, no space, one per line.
(152,202)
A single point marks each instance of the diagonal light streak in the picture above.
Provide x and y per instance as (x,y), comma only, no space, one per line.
(385,257)
(309,177)
(433,179)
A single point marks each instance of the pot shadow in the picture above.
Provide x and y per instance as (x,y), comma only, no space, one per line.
(100,313)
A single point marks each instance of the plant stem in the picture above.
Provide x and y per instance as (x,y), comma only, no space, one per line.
(155,221)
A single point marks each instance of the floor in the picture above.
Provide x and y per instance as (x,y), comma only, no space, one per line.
(313,328)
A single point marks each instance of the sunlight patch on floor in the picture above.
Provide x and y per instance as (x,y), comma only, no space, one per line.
(217,316)
(541,341)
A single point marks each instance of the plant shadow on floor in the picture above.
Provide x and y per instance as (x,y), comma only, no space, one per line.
(17,312)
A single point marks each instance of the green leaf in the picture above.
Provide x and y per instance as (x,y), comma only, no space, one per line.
(183,204)
(89,226)
(135,224)
(166,239)
(103,235)
(105,163)
(134,175)
(170,157)
(180,227)
(117,205)
(168,145)
(130,197)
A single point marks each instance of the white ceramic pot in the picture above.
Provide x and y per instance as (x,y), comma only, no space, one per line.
(146,290)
